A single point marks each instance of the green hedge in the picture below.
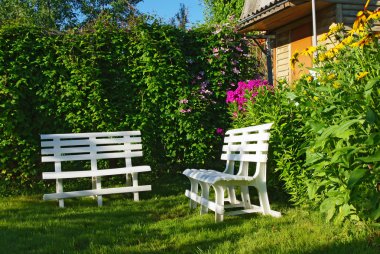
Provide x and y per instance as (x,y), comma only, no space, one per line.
(166,82)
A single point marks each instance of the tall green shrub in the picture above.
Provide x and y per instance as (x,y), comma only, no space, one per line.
(167,82)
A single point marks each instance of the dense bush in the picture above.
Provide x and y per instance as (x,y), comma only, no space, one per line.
(167,82)
(326,137)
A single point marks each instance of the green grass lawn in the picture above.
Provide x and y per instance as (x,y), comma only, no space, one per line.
(162,223)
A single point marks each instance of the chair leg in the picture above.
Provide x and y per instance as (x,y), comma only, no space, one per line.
(59,189)
(263,198)
(246,199)
(205,194)
(194,189)
(219,200)
(232,194)
(135,183)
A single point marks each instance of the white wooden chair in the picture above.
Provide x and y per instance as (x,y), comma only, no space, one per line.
(243,146)
(58,148)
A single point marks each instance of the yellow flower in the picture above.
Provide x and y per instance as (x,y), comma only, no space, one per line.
(331,76)
(315,98)
(330,54)
(309,51)
(294,59)
(375,15)
(334,28)
(361,75)
(360,20)
(336,85)
(347,40)
(366,40)
(309,79)
(339,47)
(321,57)
(323,37)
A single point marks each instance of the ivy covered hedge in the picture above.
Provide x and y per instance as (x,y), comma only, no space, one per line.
(166,82)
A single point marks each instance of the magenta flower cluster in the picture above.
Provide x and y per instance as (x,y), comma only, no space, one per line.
(244,91)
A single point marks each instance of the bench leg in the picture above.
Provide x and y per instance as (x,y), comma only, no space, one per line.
(245,197)
(97,185)
(263,198)
(193,188)
(59,189)
(219,200)
(135,183)
(231,194)
(205,194)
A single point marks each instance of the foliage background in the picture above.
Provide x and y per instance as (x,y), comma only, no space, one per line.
(169,83)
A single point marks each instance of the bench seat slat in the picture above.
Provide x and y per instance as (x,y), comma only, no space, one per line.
(91,134)
(98,156)
(87,149)
(93,173)
(87,142)
(73,194)
(213,176)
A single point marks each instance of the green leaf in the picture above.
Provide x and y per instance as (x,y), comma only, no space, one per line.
(371,116)
(375,214)
(291,95)
(373,139)
(372,158)
(355,177)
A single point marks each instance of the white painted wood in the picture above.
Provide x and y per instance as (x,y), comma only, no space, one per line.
(243,145)
(204,202)
(246,148)
(73,194)
(245,157)
(252,137)
(89,173)
(88,149)
(98,156)
(91,134)
(60,148)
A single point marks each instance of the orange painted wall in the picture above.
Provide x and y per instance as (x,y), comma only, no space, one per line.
(301,38)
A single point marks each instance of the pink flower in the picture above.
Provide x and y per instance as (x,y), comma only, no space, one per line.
(238,95)
(184,101)
(220,131)
(184,111)
(235,70)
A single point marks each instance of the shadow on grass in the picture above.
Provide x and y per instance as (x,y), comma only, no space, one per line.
(160,223)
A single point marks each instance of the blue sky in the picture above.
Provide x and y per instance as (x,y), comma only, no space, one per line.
(168,8)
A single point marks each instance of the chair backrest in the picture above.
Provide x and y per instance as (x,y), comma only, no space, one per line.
(246,145)
(90,146)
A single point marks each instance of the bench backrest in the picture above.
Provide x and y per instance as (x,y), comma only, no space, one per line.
(246,145)
(90,146)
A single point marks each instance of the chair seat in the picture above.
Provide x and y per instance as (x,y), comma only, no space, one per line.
(212,177)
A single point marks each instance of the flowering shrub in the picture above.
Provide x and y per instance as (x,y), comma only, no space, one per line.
(326,137)
(239,95)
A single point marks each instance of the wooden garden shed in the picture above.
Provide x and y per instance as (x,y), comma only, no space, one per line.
(294,26)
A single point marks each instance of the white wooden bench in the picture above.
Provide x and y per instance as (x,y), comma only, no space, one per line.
(243,146)
(91,147)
